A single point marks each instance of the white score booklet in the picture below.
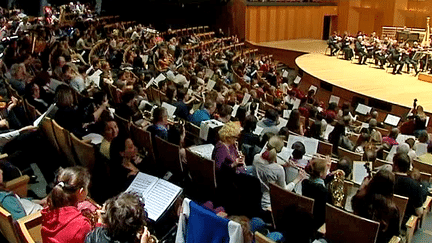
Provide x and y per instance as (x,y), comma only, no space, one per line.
(158,194)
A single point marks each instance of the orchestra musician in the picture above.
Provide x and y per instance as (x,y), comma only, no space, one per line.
(407,58)
(360,49)
(333,43)
(346,42)
(395,58)
(380,55)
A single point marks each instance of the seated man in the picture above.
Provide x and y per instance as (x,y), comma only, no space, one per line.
(203,114)
(408,187)
(270,122)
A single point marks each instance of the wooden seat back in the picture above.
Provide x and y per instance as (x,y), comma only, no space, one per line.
(260,238)
(324,148)
(352,155)
(401,203)
(380,162)
(29,228)
(342,227)
(18,185)
(7,227)
(85,152)
(202,171)
(169,155)
(143,140)
(281,199)
(64,142)
(47,128)
(423,167)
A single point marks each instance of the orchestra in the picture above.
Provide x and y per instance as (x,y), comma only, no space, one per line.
(396,54)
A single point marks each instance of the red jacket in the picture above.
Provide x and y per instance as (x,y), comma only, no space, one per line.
(65,224)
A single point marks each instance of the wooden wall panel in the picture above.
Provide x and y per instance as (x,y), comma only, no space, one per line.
(274,23)
(281,23)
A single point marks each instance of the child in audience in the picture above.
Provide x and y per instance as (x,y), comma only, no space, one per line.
(123,219)
(62,221)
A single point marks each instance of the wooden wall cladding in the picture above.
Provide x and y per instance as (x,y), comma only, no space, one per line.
(274,23)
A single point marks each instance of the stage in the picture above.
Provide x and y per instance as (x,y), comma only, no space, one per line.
(364,80)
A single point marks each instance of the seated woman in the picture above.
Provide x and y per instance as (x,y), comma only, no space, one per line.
(123,219)
(294,124)
(240,192)
(62,221)
(374,201)
(315,188)
(160,123)
(16,206)
(226,153)
(123,163)
(268,171)
(247,136)
(68,116)
(110,131)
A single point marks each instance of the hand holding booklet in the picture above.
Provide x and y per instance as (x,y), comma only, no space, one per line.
(158,194)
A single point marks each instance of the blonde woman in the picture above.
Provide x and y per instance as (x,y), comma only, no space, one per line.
(226,152)
(73,77)
(268,171)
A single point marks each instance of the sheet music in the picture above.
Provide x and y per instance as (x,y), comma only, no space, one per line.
(328,130)
(206,125)
(296,103)
(427,121)
(258,130)
(401,138)
(334,99)
(39,119)
(210,84)
(95,77)
(234,111)
(420,149)
(297,80)
(159,78)
(311,144)
(359,171)
(159,198)
(142,184)
(245,99)
(286,113)
(314,88)
(94,138)
(363,109)
(392,120)
(204,150)
(285,74)
(170,109)
(150,83)
(391,154)
(282,123)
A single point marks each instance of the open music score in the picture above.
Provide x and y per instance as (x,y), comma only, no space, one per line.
(158,194)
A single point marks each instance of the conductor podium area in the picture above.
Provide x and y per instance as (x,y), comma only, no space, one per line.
(353,83)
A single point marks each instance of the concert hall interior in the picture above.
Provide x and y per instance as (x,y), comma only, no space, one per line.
(215,121)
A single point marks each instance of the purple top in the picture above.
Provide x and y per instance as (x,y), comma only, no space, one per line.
(224,155)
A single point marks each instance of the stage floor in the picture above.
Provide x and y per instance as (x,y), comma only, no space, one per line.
(364,79)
